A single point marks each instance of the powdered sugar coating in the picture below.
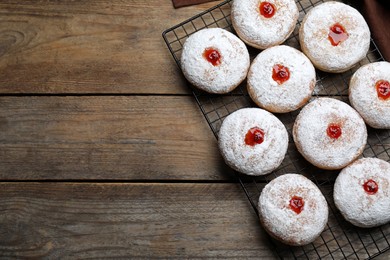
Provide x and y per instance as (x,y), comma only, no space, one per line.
(312,141)
(290,95)
(313,36)
(261,32)
(364,97)
(261,158)
(281,222)
(355,204)
(218,79)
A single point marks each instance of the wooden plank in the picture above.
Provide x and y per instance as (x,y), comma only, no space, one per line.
(86,220)
(89,46)
(107,137)
(70,220)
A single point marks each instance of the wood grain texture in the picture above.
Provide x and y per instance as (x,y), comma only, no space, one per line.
(107,137)
(182,3)
(54,220)
(89,47)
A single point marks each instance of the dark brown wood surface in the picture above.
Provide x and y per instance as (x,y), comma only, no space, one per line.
(89,92)
(106,137)
(89,47)
(128,220)
(103,150)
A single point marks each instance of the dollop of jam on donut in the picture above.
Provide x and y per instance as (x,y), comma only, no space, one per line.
(280,73)
(296,204)
(334,131)
(383,89)
(267,9)
(254,136)
(212,56)
(337,34)
(370,186)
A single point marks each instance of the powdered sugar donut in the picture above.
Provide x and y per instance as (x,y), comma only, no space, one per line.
(263,24)
(369,92)
(362,192)
(329,133)
(334,36)
(253,141)
(293,210)
(281,79)
(215,60)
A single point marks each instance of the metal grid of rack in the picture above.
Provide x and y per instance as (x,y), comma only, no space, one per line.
(339,239)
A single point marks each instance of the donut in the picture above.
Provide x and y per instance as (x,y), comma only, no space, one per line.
(262,24)
(329,133)
(281,79)
(334,36)
(362,192)
(293,210)
(253,141)
(214,60)
(369,92)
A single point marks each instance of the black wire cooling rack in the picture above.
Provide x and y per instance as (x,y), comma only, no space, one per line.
(339,240)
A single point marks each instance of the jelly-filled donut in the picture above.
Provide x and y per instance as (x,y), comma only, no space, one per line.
(362,192)
(334,36)
(281,79)
(253,141)
(264,23)
(329,133)
(369,93)
(293,210)
(214,60)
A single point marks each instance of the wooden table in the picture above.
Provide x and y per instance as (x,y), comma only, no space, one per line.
(103,150)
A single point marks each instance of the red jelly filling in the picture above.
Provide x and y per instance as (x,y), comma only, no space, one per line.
(334,131)
(267,9)
(296,204)
(212,56)
(254,136)
(337,34)
(371,187)
(280,73)
(383,89)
